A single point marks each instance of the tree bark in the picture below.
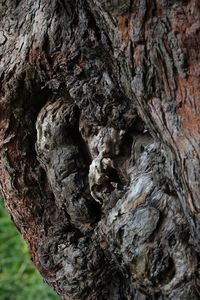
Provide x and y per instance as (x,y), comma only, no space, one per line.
(100,140)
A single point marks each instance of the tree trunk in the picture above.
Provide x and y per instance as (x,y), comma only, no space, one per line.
(100,143)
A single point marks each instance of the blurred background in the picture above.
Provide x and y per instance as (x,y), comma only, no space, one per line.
(19,280)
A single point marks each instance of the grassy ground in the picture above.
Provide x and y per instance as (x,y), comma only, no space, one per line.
(19,280)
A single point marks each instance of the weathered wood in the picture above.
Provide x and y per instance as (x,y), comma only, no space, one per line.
(99,141)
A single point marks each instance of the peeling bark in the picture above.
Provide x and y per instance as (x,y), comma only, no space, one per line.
(99,143)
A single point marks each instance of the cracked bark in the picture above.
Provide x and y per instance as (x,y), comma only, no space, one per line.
(99,141)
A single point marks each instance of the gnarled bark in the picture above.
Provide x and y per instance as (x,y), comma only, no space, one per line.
(99,141)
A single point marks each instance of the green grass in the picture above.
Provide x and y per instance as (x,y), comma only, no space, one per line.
(19,280)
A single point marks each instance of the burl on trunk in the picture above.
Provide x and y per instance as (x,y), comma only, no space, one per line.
(100,143)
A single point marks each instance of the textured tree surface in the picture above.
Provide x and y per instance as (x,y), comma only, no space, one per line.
(100,143)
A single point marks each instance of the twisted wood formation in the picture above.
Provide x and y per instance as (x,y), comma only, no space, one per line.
(99,141)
